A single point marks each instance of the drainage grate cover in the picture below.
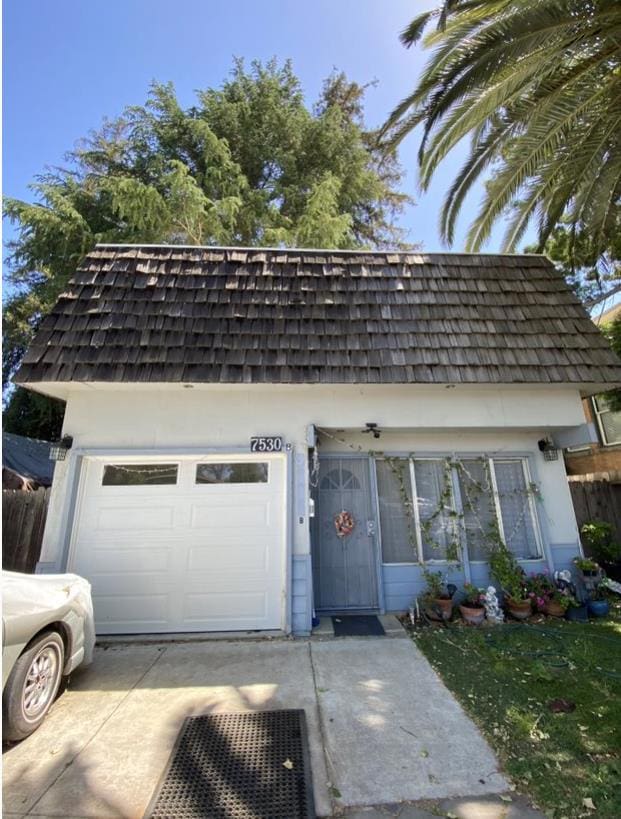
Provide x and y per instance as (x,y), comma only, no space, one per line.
(238,766)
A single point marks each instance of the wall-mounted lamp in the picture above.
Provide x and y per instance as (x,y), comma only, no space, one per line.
(58,450)
(371,427)
(550,452)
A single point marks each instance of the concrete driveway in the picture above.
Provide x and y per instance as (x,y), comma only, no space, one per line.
(382,726)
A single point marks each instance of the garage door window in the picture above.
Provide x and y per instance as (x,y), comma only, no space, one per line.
(139,474)
(232,473)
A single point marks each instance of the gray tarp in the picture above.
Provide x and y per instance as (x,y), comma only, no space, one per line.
(28,457)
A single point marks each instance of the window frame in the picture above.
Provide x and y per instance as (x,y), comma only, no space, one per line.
(123,466)
(524,460)
(225,462)
(598,417)
(457,503)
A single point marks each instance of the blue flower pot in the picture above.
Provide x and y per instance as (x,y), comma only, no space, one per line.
(599,608)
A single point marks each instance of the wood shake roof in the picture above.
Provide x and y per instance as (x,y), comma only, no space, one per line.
(190,314)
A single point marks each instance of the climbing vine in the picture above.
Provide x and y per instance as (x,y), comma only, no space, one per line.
(446,529)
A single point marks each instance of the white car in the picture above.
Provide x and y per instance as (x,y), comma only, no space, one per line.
(47,632)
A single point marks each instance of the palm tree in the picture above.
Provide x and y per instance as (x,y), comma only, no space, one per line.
(536,84)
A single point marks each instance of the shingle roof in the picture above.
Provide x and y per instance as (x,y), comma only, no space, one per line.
(186,314)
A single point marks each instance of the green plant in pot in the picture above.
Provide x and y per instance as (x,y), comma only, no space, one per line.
(599,542)
(436,599)
(471,607)
(558,602)
(588,567)
(512,580)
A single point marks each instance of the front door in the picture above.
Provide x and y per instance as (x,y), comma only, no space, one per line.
(345,566)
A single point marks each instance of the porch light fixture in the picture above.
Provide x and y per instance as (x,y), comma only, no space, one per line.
(58,450)
(550,452)
(371,427)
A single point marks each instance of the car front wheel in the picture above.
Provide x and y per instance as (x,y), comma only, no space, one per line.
(32,686)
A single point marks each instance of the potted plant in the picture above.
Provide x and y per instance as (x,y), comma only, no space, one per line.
(588,567)
(540,590)
(558,603)
(512,580)
(576,611)
(436,599)
(471,607)
(598,603)
(598,540)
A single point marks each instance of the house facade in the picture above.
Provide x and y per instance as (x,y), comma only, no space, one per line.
(261,434)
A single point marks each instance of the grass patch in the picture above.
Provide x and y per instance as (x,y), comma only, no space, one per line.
(506,676)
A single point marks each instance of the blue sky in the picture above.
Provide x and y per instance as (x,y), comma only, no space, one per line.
(70,63)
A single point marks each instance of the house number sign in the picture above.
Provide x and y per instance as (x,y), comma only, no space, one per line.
(266,443)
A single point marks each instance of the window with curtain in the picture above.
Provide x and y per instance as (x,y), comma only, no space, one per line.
(489,491)
(396,521)
(436,529)
(477,501)
(609,421)
(516,508)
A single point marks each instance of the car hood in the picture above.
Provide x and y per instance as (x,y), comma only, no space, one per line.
(32,593)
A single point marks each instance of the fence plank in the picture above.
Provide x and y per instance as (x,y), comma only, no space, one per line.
(23,523)
(597,500)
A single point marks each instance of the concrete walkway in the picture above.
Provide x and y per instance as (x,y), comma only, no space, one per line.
(382,727)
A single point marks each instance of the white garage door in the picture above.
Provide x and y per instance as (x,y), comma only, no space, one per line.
(182,544)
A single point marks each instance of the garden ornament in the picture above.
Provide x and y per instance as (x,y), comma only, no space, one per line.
(493,611)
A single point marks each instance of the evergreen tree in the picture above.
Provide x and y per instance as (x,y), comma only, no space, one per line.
(248,164)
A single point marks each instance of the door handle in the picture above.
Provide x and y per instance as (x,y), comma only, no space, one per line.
(370,528)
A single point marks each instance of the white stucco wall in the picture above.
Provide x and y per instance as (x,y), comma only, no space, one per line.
(437,419)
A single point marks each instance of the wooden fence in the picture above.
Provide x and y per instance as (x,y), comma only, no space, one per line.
(596,499)
(23,522)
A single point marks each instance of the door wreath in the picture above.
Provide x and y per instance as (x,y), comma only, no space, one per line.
(344,524)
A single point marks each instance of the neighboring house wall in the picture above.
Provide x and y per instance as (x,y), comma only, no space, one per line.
(604,456)
(414,418)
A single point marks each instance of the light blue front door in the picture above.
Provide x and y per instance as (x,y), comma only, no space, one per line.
(345,568)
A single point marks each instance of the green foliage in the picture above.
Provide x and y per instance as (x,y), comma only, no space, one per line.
(536,86)
(585,564)
(436,587)
(612,331)
(507,572)
(248,164)
(472,596)
(598,537)
(32,415)
(590,272)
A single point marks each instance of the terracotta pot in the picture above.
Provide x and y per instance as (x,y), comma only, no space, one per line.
(520,609)
(474,616)
(446,607)
(553,609)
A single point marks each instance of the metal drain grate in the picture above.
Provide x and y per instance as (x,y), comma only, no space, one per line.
(238,766)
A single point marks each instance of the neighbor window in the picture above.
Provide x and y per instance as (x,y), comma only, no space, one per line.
(139,474)
(608,420)
(232,473)
(419,499)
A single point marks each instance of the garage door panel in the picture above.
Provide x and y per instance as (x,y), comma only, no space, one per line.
(131,518)
(221,558)
(132,559)
(213,605)
(144,612)
(183,557)
(227,514)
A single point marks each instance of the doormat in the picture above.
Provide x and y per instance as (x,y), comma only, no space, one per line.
(238,766)
(357,625)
